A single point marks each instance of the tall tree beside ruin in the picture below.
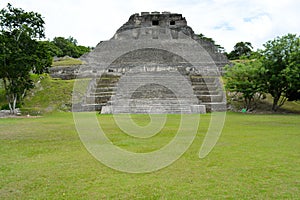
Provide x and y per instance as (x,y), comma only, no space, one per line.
(20,53)
(281,69)
(244,79)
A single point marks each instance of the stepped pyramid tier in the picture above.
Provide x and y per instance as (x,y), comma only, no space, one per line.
(153,64)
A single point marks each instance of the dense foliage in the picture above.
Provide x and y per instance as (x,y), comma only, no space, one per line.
(242,79)
(61,46)
(20,53)
(275,71)
(281,69)
(240,49)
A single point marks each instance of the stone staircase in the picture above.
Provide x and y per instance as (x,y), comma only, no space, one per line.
(154,92)
(99,92)
(209,91)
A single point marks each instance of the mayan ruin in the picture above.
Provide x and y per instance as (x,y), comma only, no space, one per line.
(149,59)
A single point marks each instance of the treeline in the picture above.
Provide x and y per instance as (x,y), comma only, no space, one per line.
(240,49)
(23,53)
(274,70)
(60,47)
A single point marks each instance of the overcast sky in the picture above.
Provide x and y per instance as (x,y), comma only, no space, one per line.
(226,21)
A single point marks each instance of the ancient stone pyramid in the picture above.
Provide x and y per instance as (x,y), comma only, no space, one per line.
(153,64)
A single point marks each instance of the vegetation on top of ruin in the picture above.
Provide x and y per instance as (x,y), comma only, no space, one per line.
(213,42)
(61,47)
(66,61)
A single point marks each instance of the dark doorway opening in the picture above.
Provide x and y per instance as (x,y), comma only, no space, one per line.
(155,23)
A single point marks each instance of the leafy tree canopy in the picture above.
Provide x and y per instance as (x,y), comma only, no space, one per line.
(67,47)
(240,49)
(276,71)
(281,69)
(243,78)
(20,52)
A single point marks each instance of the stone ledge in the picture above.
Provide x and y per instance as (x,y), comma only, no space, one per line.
(194,109)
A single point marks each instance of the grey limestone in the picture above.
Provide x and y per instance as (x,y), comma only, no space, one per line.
(153,64)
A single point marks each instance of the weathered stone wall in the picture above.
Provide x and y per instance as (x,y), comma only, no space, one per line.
(152,50)
(65,72)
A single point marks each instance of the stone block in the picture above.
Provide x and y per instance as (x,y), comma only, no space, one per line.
(106,110)
(198,109)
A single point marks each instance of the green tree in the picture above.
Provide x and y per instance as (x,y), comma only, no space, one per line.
(82,50)
(241,49)
(281,69)
(20,53)
(243,78)
(53,49)
(72,40)
(69,47)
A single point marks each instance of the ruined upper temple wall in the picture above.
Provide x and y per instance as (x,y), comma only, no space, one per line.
(154,19)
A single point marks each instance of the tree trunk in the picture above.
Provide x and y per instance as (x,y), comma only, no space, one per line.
(14,104)
(247,102)
(275,104)
(10,108)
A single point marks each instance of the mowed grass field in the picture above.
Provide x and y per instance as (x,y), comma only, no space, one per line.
(256,157)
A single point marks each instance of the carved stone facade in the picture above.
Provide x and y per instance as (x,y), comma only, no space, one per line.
(153,64)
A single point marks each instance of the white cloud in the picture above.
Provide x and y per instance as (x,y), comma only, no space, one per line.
(226,21)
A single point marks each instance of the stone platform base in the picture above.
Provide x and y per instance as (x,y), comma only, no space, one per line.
(193,109)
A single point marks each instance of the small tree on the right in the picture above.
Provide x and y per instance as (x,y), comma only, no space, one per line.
(281,69)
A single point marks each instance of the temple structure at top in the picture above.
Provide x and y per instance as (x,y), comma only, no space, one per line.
(154,63)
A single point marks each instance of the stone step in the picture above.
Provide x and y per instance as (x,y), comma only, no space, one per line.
(112,85)
(124,94)
(88,108)
(102,100)
(215,106)
(102,90)
(188,109)
(204,84)
(202,92)
(203,79)
(148,109)
(126,97)
(106,81)
(159,100)
(145,81)
(210,98)
(100,93)
(98,96)
(205,88)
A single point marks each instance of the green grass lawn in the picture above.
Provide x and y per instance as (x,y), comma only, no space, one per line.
(49,95)
(256,157)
